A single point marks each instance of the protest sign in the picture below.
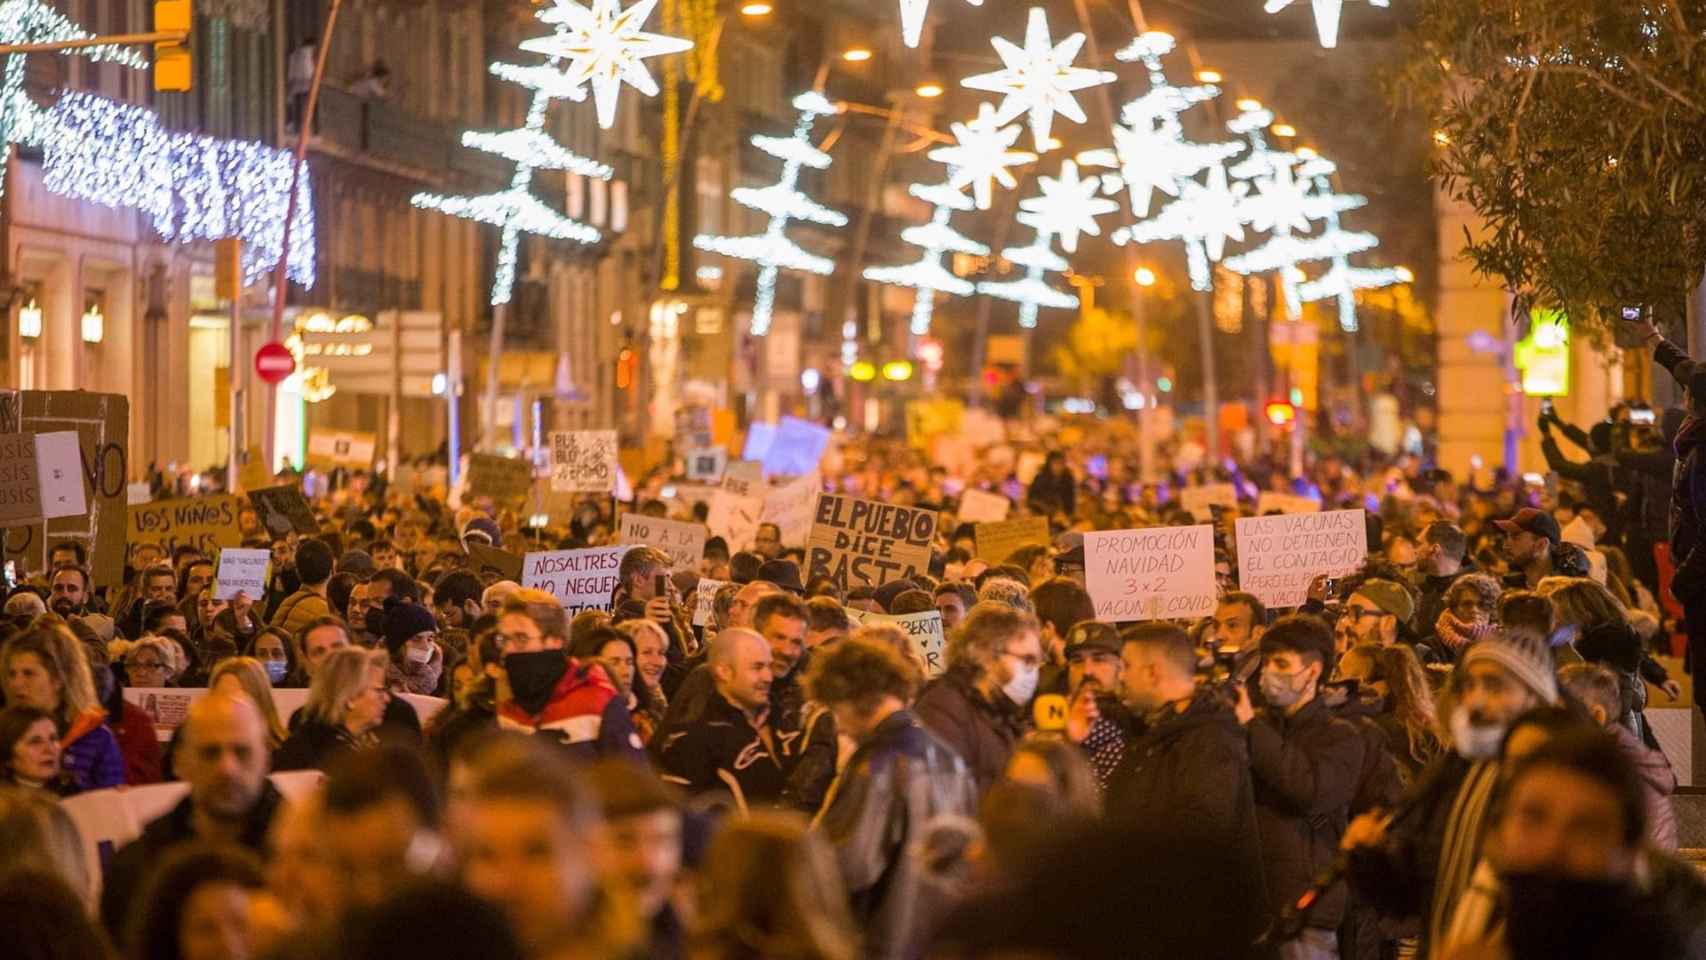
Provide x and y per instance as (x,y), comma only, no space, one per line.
(983,428)
(242,571)
(283,510)
(924,629)
(256,473)
(745,477)
(734,518)
(791,508)
(205,523)
(1029,463)
(759,436)
(796,449)
(101,422)
(579,579)
(707,464)
(583,461)
(864,543)
(1270,502)
(926,419)
(1200,501)
(980,506)
(704,598)
(997,541)
(139,492)
(1279,555)
(693,428)
(165,706)
(502,563)
(504,479)
(684,542)
(692,493)
(341,448)
(1159,573)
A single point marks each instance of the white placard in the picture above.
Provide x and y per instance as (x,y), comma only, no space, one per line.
(980,506)
(707,463)
(579,579)
(735,518)
(925,629)
(745,477)
(167,707)
(1158,573)
(241,570)
(1279,555)
(583,461)
(1200,500)
(791,508)
(704,598)
(59,466)
(684,542)
(1269,502)
(140,492)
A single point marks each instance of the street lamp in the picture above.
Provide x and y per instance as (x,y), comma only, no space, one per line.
(758,8)
(857,55)
(1284,130)
(1209,76)
(1144,276)
(929,90)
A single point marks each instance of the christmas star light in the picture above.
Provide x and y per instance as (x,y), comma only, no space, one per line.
(981,157)
(1152,161)
(1068,206)
(912,19)
(605,46)
(1038,78)
(1327,16)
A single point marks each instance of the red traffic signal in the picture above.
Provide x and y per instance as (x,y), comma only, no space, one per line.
(1281,414)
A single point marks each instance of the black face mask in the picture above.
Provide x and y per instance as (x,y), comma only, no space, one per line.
(533,676)
(1554,916)
(374,621)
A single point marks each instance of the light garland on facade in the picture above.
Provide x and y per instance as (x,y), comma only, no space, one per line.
(604,46)
(783,202)
(1038,79)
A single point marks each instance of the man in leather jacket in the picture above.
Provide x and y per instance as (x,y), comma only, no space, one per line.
(899,780)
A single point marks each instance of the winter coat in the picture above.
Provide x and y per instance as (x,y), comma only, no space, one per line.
(981,732)
(898,780)
(585,715)
(721,750)
(313,745)
(90,753)
(1061,491)
(138,742)
(299,610)
(1688,493)
(1305,770)
(1658,782)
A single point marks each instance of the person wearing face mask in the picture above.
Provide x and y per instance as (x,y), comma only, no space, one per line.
(1305,767)
(1420,866)
(980,706)
(541,690)
(417,661)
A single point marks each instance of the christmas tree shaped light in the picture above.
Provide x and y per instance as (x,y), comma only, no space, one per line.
(1065,209)
(783,202)
(926,275)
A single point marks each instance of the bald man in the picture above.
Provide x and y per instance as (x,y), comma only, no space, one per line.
(729,748)
(746,602)
(222,754)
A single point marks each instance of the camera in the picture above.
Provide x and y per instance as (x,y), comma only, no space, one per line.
(1631,314)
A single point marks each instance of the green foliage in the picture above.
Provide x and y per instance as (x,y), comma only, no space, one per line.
(1577,130)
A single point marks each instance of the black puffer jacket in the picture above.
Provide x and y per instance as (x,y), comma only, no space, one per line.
(898,781)
(721,750)
(980,731)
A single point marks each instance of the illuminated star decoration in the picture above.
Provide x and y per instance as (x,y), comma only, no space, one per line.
(1069,206)
(912,19)
(1038,79)
(515,210)
(1342,281)
(605,46)
(926,275)
(1327,15)
(981,157)
(772,250)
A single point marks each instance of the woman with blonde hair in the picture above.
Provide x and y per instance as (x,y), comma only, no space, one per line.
(770,890)
(345,706)
(248,676)
(46,668)
(1597,626)
(152,662)
(37,834)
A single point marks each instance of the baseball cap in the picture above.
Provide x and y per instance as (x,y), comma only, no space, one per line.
(1092,636)
(1530,520)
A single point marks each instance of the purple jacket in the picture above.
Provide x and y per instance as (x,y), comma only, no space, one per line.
(90,753)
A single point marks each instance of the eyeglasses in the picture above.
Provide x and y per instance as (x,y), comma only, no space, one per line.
(1357,613)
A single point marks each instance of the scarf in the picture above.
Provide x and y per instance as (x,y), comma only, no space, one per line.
(1460,633)
(1461,851)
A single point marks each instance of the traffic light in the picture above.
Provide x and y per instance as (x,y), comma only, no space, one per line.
(173,67)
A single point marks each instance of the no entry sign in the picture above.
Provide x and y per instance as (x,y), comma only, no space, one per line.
(273,362)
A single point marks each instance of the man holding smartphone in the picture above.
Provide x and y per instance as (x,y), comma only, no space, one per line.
(644,591)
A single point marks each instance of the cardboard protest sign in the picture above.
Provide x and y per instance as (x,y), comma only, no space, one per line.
(864,543)
(579,579)
(981,506)
(704,598)
(341,448)
(692,493)
(684,542)
(38,477)
(706,464)
(242,571)
(796,449)
(997,541)
(791,508)
(931,418)
(1279,555)
(101,422)
(1200,501)
(205,523)
(501,563)
(1159,573)
(583,461)
(256,473)
(1270,502)
(283,510)
(745,477)
(734,518)
(504,479)
(924,629)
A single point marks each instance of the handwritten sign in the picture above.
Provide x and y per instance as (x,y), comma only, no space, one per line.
(583,461)
(734,518)
(1159,573)
(283,510)
(205,523)
(792,507)
(40,478)
(1279,555)
(579,579)
(997,541)
(341,448)
(981,506)
(745,477)
(864,543)
(796,449)
(101,422)
(504,479)
(706,464)
(256,473)
(924,630)
(1201,501)
(1270,502)
(491,560)
(684,542)
(242,571)
(704,599)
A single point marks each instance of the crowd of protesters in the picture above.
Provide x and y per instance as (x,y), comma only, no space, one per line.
(1444,754)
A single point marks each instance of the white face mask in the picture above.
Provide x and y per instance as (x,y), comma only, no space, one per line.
(420,654)
(1472,741)
(276,670)
(1023,686)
